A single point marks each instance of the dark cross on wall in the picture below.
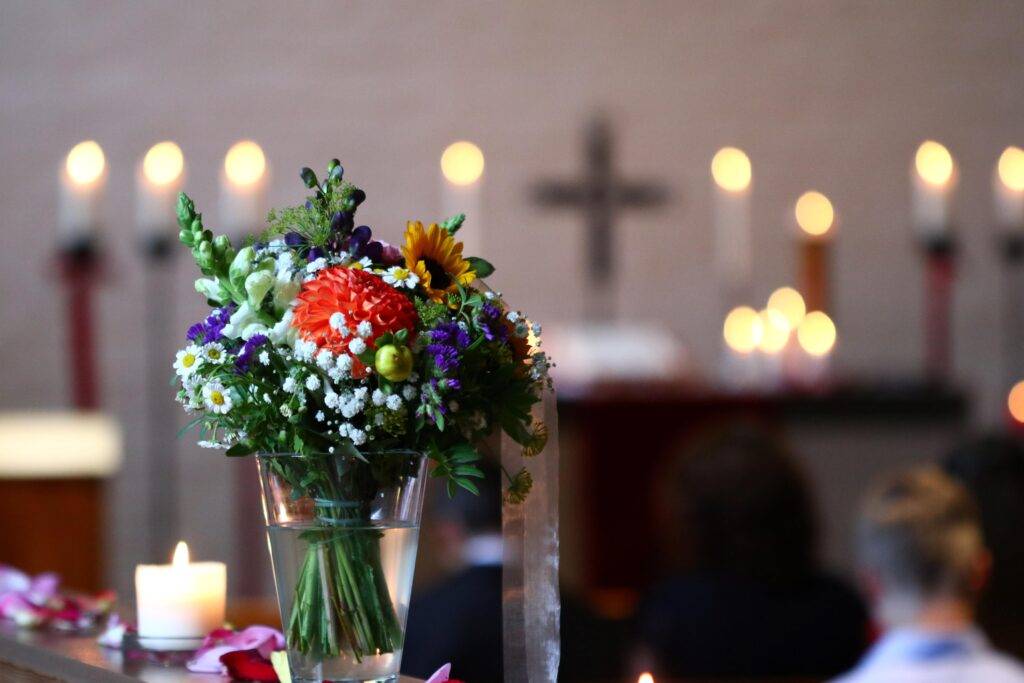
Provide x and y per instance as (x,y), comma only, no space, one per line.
(601,195)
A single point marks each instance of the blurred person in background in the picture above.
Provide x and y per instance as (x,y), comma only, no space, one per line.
(750,600)
(992,469)
(924,563)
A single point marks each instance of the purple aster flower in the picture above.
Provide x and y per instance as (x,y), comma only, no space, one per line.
(196,333)
(244,360)
(488,321)
(314,254)
(294,239)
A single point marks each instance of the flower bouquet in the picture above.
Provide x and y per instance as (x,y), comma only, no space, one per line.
(346,363)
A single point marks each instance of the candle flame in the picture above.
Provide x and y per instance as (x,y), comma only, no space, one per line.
(645,677)
(934,163)
(1015,402)
(730,168)
(743,329)
(462,163)
(1011,168)
(814,213)
(85,162)
(817,333)
(163,163)
(180,554)
(789,303)
(244,164)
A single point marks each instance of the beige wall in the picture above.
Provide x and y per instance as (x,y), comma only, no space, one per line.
(832,95)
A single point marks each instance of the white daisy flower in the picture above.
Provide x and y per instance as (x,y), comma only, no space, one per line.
(312,382)
(365,329)
(264,358)
(214,353)
(378,397)
(338,322)
(394,402)
(362,263)
(188,360)
(216,398)
(357,346)
(399,277)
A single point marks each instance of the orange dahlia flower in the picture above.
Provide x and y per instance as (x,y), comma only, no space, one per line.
(360,296)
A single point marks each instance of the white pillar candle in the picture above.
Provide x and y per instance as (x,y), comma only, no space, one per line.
(177,604)
(157,184)
(82,178)
(932,180)
(243,184)
(730,169)
(462,169)
(1008,189)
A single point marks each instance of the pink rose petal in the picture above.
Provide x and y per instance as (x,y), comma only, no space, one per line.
(220,642)
(441,675)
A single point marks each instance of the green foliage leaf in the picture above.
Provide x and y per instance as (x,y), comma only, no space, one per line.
(481,267)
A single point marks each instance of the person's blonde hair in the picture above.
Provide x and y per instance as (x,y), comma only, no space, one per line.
(920,534)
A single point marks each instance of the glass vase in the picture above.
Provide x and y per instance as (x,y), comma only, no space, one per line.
(343,531)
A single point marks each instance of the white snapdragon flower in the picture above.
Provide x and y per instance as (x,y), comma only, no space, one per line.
(357,346)
(312,382)
(217,398)
(399,277)
(188,360)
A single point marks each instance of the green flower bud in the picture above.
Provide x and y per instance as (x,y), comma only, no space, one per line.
(212,290)
(204,255)
(221,244)
(240,267)
(186,237)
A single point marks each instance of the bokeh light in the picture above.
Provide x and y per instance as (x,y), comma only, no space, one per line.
(163,163)
(816,334)
(934,163)
(743,329)
(462,163)
(730,168)
(790,303)
(1011,168)
(1015,401)
(775,331)
(814,213)
(85,162)
(244,164)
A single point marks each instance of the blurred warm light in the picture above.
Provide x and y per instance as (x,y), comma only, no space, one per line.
(85,162)
(462,163)
(775,331)
(51,445)
(645,677)
(789,303)
(816,334)
(934,163)
(743,329)
(180,554)
(814,213)
(1015,401)
(731,169)
(244,163)
(1011,168)
(163,163)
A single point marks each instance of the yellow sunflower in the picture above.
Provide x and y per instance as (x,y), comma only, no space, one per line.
(436,258)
